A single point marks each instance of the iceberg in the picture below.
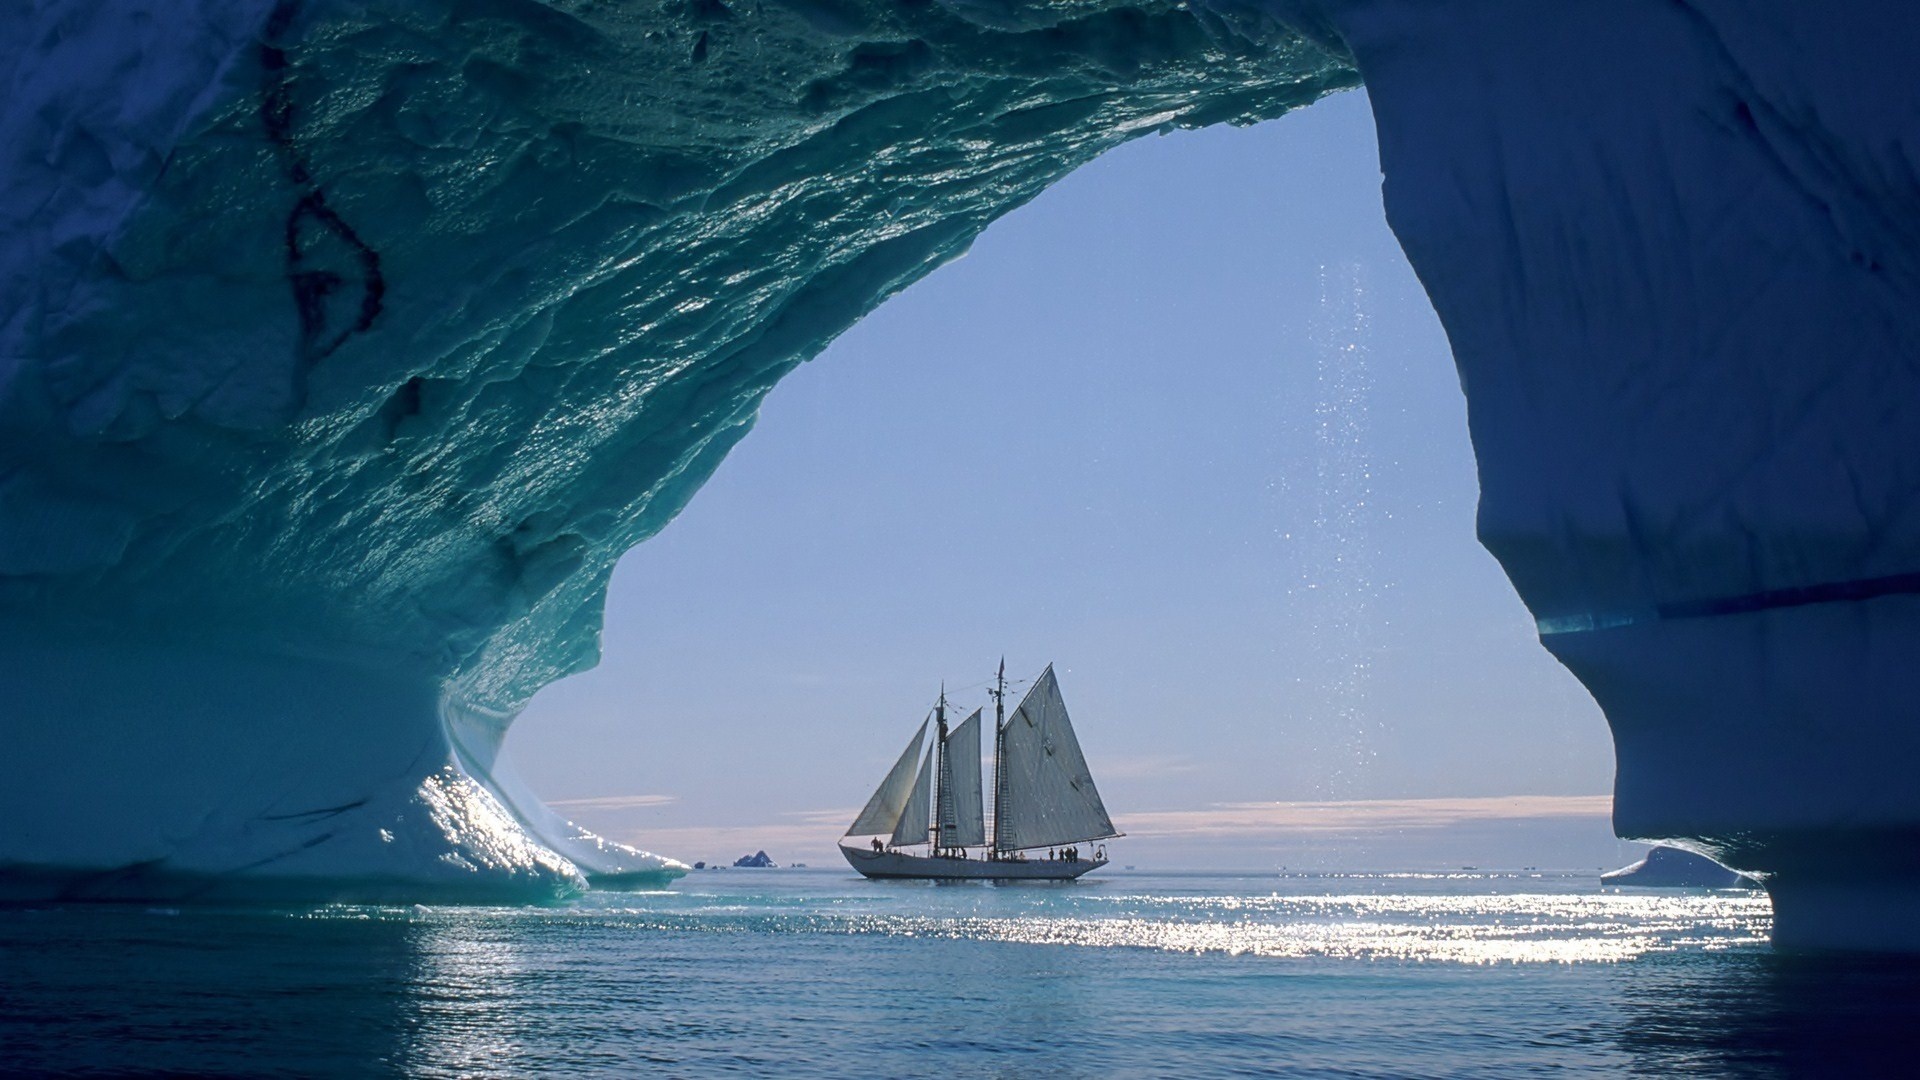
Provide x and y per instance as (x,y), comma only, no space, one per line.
(1666,867)
(1676,249)
(345,345)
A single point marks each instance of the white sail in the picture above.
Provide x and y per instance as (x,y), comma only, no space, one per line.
(883,810)
(1047,795)
(912,828)
(963,822)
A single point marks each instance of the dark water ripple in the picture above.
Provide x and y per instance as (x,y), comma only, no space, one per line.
(821,974)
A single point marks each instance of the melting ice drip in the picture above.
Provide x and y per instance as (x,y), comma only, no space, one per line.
(1337,569)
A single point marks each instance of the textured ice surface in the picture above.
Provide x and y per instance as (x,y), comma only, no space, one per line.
(345,346)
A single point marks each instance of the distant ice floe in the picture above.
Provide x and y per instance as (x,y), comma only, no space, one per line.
(1677,868)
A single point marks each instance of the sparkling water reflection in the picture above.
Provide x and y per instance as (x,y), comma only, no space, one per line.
(816,973)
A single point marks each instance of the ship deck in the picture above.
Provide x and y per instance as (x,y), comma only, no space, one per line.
(899,864)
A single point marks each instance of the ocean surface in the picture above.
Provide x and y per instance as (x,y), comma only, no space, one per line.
(821,973)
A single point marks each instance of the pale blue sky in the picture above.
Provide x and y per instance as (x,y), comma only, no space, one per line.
(1185,426)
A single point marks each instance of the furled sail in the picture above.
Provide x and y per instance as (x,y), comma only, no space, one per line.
(883,810)
(963,821)
(1047,795)
(912,828)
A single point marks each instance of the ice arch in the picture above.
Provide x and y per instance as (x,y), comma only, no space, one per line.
(344,346)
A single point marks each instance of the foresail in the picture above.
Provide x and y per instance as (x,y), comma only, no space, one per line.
(1049,796)
(883,810)
(963,822)
(912,828)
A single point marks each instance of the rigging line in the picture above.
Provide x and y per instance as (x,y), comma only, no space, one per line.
(953,691)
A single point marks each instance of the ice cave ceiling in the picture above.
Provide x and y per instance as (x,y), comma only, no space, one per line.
(479,292)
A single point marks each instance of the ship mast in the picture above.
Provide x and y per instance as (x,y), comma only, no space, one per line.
(999,693)
(942,798)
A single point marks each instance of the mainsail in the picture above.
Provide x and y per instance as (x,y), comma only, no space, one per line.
(883,810)
(1046,794)
(963,822)
(912,828)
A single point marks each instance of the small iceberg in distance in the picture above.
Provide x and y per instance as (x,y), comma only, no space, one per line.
(1677,868)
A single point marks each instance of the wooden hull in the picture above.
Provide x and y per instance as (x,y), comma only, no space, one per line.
(899,864)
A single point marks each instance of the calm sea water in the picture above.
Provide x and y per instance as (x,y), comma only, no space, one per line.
(820,973)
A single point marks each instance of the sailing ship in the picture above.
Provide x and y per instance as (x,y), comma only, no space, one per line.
(1043,797)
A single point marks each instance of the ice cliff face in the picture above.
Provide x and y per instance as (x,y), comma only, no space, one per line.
(344,345)
(1676,247)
